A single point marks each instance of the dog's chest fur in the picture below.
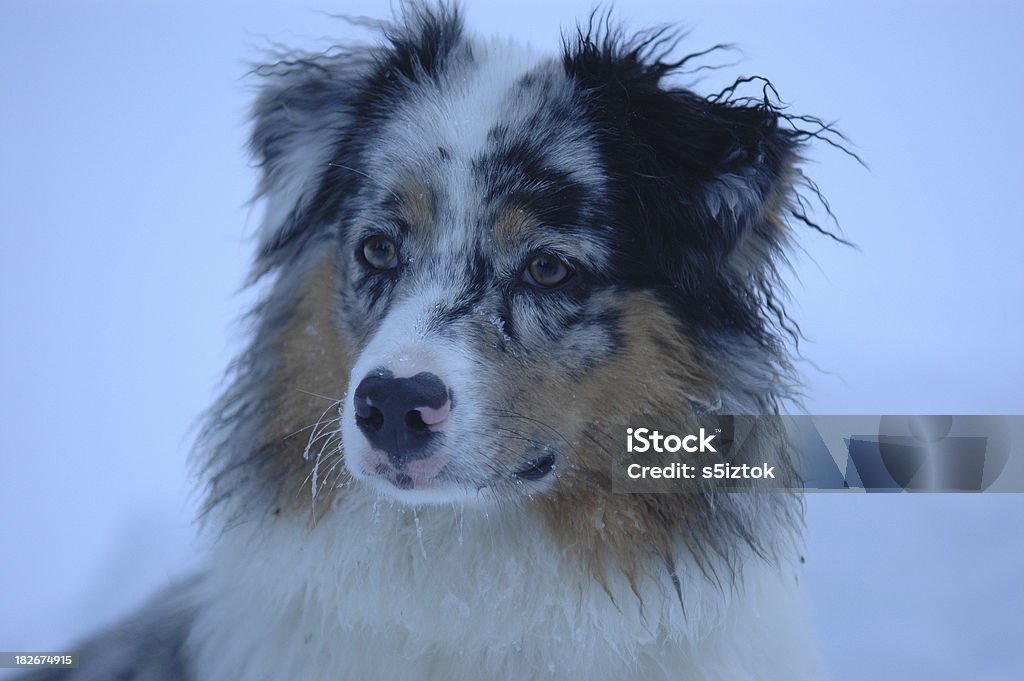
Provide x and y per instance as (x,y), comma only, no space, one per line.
(378,591)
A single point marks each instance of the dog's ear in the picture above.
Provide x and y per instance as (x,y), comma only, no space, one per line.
(315,113)
(304,109)
(705,178)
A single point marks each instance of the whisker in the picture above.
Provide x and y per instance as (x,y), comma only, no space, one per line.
(368,177)
(305,428)
(305,453)
(336,400)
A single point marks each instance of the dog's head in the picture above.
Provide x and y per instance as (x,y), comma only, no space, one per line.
(493,256)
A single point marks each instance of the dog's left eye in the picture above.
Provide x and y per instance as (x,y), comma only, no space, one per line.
(546,271)
(380,252)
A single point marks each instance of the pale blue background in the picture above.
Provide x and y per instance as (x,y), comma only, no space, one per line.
(123,225)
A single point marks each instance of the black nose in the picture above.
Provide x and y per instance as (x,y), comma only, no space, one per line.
(396,414)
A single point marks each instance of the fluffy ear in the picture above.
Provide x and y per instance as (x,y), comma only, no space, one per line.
(706,178)
(304,110)
(316,112)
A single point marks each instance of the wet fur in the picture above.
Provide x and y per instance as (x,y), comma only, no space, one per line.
(681,205)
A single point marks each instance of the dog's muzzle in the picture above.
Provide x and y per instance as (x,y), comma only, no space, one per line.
(402,416)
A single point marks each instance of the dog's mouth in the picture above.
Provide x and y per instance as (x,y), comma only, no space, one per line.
(430,473)
(404,481)
(436,477)
(534,470)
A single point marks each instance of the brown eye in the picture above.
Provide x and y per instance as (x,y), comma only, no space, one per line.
(380,253)
(546,271)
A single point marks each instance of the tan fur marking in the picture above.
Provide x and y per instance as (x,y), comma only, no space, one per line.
(642,379)
(314,364)
(417,205)
(629,529)
(513,226)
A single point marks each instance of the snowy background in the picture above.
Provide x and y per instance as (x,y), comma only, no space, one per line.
(123,242)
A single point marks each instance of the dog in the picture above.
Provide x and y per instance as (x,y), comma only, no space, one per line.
(476,260)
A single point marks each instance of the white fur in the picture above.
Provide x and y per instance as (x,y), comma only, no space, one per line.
(385,591)
(405,345)
(298,172)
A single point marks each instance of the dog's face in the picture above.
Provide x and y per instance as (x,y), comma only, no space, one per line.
(526,251)
(477,282)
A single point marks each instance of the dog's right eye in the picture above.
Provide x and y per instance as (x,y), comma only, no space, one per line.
(380,252)
(546,271)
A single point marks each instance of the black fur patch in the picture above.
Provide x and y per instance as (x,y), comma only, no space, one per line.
(693,179)
(347,95)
